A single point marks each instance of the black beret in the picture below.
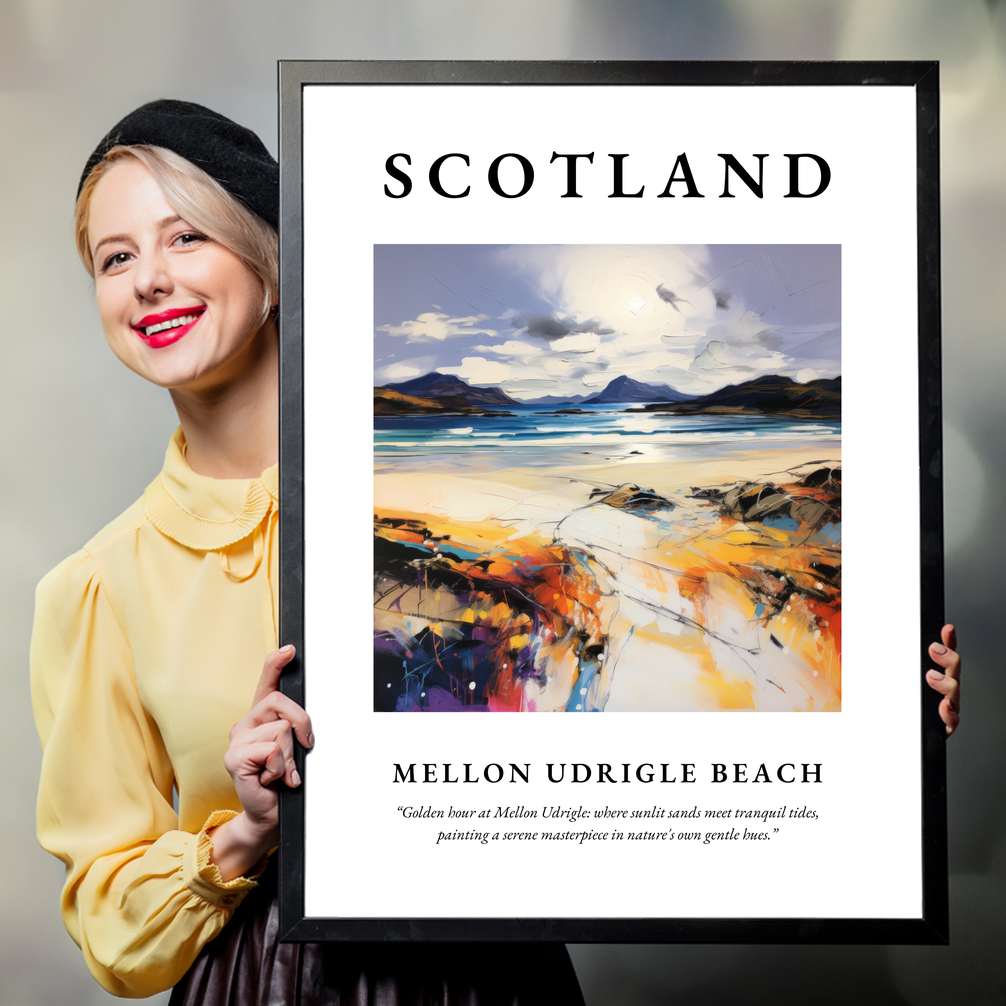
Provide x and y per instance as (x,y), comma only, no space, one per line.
(230,154)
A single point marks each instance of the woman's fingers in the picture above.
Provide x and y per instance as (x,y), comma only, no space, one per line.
(270,703)
(274,766)
(277,735)
(261,749)
(277,706)
(944,684)
(949,711)
(949,688)
(271,670)
(947,680)
(947,658)
(261,743)
(949,661)
(949,636)
(260,761)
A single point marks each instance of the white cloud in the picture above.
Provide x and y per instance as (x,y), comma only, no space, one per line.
(556,365)
(478,370)
(413,366)
(579,342)
(510,348)
(397,371)
(719,357)
(584,362)
(436,327)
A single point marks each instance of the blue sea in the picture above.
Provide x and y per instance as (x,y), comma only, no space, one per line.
(535,437)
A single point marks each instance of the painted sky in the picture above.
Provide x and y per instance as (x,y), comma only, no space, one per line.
(566,319)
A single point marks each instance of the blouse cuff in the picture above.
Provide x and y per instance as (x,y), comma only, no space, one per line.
(202,876)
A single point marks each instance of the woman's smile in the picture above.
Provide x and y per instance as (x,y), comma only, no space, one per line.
(166,327)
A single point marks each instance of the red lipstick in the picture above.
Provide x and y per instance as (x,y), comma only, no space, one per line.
(166,327)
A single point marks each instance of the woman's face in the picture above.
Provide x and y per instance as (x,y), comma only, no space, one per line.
(177,308)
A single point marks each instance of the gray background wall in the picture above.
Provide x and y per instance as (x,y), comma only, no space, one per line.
(81,437)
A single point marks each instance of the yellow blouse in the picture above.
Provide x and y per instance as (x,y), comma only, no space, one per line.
(147,647)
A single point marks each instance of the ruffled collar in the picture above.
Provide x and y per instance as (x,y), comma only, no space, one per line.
(203,513)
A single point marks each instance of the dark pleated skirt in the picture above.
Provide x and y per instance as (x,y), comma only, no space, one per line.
(246,965)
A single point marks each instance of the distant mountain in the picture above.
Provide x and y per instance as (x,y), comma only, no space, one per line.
(555,400)
(393,403)
(448,386)
(625,389)
(766,395)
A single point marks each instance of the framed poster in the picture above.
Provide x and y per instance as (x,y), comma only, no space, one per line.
(603,316)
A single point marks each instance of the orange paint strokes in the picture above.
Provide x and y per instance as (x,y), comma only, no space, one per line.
(734,693)
(771,586)
(744,615)
(483,577)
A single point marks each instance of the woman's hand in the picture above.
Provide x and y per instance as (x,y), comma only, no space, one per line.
(947,682)
(260,753)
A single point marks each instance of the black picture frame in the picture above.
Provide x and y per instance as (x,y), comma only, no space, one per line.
(932,925)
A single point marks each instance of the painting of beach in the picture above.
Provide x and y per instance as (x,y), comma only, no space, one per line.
(607,478)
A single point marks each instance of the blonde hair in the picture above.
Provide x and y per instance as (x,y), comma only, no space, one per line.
(199,200)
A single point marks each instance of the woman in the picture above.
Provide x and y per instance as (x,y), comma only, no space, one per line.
(149,642)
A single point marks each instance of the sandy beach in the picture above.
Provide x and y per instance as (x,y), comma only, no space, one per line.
(517,589)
